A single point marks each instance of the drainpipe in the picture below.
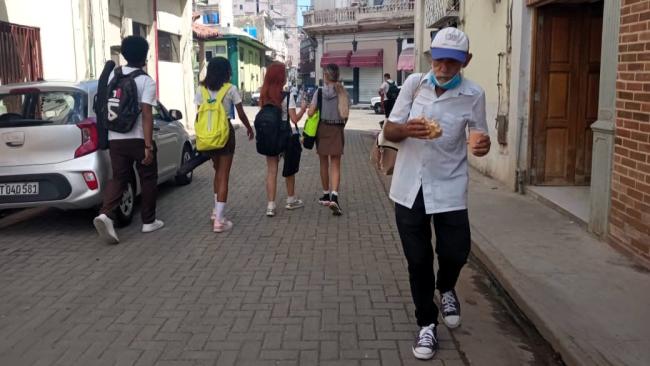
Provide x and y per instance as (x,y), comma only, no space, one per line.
(155,53)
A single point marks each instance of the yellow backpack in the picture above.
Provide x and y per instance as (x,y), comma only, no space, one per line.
(212,127)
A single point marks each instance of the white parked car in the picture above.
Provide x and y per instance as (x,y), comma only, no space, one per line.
(376,105)
(49,153)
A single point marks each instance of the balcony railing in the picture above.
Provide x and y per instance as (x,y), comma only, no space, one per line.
(355,15)
(439,13)
(330,16)
(397,10)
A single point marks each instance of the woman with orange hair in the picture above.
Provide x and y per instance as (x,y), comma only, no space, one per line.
(273,93)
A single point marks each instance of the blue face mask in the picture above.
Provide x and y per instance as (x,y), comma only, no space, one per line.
(451,84)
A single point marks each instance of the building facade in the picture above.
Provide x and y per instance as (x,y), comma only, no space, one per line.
(630,208)
(365,40)
(77,37)
(284,13)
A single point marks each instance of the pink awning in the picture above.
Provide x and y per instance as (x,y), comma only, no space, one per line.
(339,57)
(406,60)
(367,58)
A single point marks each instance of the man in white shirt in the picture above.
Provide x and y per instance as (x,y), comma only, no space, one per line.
(388,101)
(133,146)
(431,177)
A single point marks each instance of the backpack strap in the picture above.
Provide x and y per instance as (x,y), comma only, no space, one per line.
(417,90)
(319,99)
(222,92)
(288,117)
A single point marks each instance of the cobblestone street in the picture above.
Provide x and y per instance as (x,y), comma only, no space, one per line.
(302,288)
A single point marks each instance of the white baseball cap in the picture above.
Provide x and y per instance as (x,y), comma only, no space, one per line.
(450,43)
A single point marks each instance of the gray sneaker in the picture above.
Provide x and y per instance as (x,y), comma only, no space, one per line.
(294,205)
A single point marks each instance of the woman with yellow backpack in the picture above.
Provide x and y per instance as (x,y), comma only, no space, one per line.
(215,135)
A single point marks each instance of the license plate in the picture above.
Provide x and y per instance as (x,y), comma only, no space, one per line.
(19,189)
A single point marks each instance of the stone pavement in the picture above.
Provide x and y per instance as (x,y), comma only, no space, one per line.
(302,288)
(588,300)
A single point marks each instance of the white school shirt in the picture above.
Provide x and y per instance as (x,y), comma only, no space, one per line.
(232,96)
(146,94)
(292,105)
(438,166)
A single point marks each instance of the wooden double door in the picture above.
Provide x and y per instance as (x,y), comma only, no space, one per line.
(565,100)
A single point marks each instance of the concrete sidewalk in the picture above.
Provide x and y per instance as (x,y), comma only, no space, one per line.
(589,301)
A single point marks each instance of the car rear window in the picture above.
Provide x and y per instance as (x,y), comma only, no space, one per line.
(52,107)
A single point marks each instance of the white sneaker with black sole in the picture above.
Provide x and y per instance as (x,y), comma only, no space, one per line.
(426,343)
(450,309)
(104,226)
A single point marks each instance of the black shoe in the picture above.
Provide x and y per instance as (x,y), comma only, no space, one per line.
(426,343)
(450,309)
(325,200)
(334,205)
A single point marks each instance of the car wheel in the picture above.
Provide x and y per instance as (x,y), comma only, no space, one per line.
(377,108)
(124,212)
(185,179)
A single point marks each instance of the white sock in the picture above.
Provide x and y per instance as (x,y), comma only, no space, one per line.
(327,193)
(270,205)
(291,199)
(219,208)
(335,193)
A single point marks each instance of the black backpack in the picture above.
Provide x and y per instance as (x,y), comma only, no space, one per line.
(123,104)
(271,132)
(393,90)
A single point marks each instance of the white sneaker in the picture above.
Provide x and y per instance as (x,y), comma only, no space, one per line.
(105,229)
(295,204)
(426,343)
(149,228)
(222,226)
(270,211)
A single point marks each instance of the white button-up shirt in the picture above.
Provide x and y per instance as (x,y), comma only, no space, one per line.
(438,166)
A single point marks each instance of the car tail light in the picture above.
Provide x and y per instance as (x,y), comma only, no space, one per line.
(89,138)
(91,180)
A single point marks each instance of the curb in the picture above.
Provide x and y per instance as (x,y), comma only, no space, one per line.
(497,265)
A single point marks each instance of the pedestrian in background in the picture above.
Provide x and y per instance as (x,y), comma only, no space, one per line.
(217,83)
(388,92)
(330,138)
(135,146)
(273,93)
(430,179)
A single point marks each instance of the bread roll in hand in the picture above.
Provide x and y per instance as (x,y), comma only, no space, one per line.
(435,130)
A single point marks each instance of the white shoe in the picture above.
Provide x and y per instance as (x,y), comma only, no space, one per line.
(295,204)
(105,229)
(149,228)
(270,211)
(223,226)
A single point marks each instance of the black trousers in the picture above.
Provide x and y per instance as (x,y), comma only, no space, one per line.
(124,153)
(388,106)
(452,247)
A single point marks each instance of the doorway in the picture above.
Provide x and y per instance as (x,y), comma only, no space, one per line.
(567,73)
(565,102)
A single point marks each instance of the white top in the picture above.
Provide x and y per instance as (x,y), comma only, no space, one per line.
(146,94)
(292,104)
(438,166)
(385,86)
(232,96)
